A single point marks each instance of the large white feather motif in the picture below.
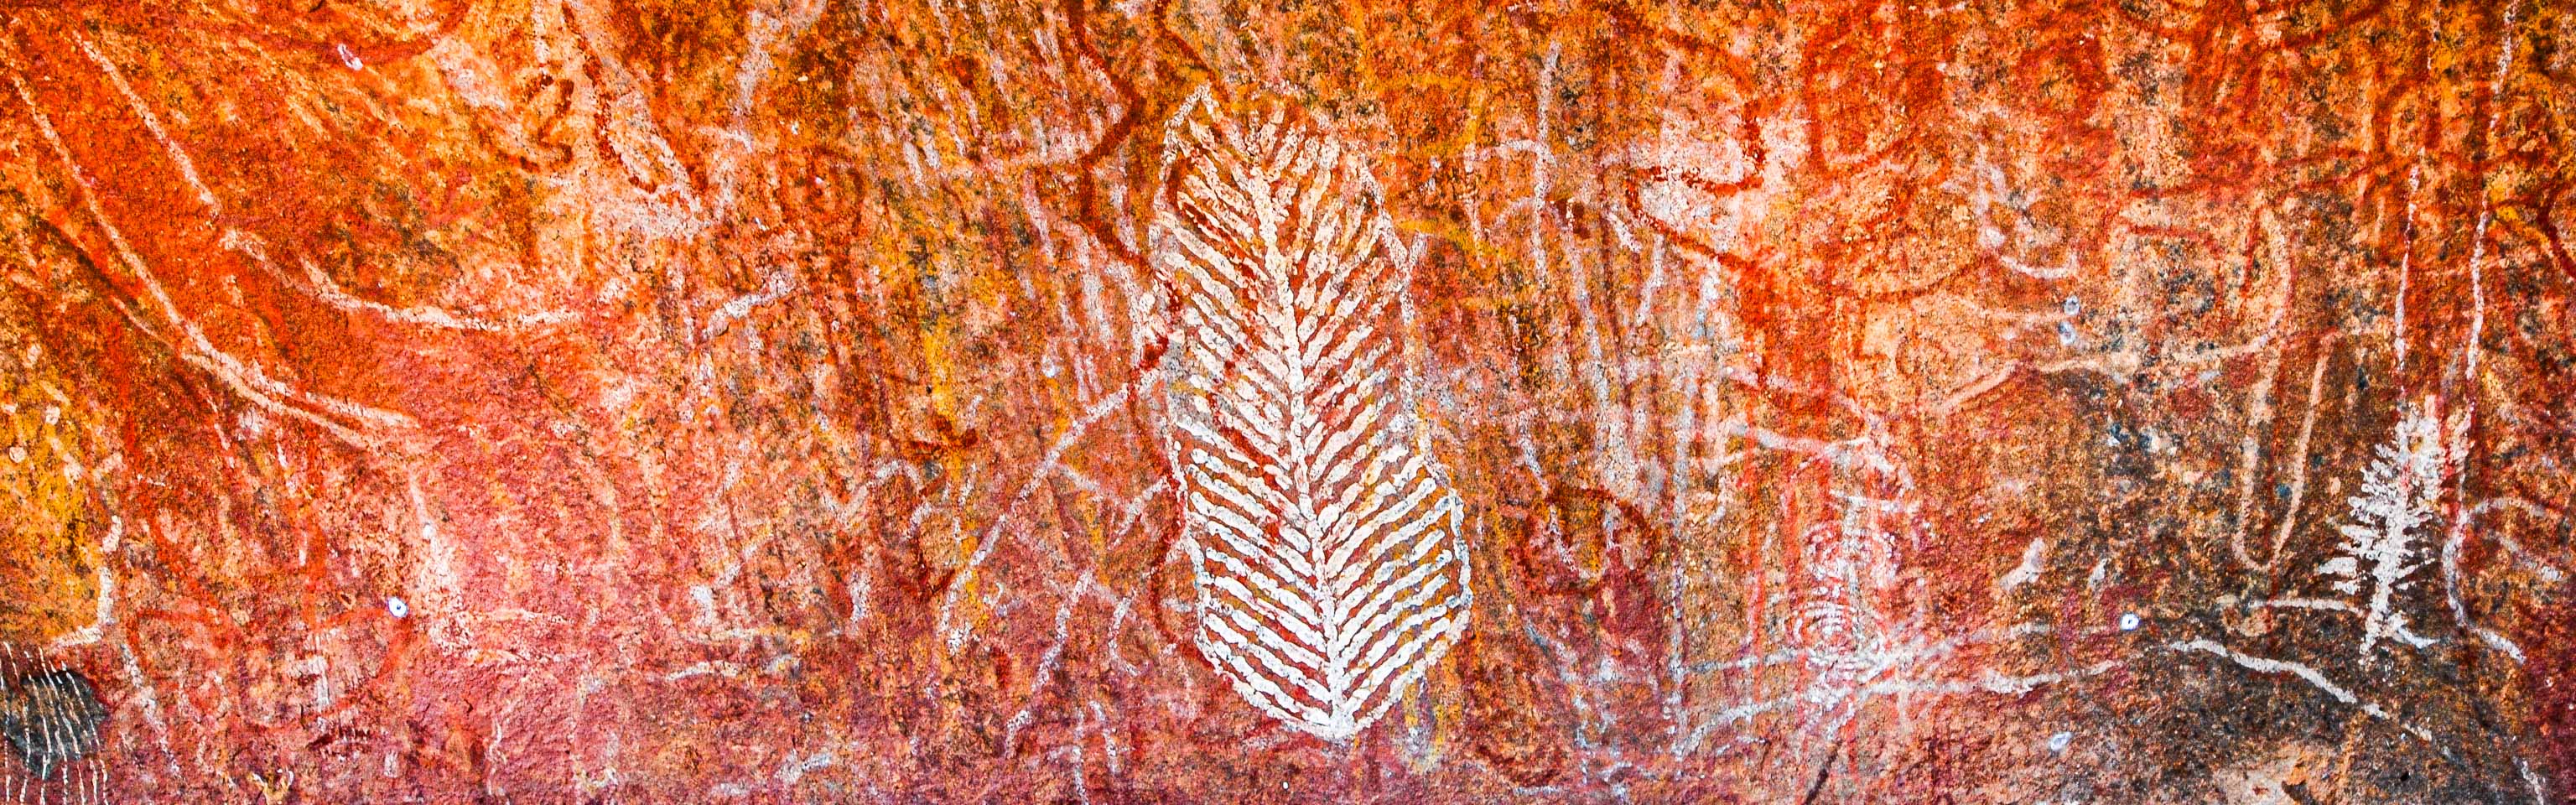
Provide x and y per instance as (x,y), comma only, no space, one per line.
(1322,532)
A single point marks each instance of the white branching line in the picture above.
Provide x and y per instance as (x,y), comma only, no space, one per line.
(2034,560)
(1856,687)
(627,131)
(2006,684)
(1321,532)
(1853,695)
(778,286)
(103,617)
(2320,604)
(2540,566)
(1039,678)
(249,245)
(767,36)
(329,291)
(2304,672)
(2289,518)
(196,349)
(200,352)
(990,536)
(794,771)
(2474,347)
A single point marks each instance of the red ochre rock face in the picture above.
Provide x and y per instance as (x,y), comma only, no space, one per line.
(483,400)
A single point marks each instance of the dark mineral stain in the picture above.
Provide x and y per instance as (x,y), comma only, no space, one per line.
(50,718)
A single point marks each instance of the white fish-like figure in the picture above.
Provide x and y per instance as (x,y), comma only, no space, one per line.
(1322,531)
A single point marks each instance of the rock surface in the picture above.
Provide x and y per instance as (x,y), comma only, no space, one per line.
(562,401)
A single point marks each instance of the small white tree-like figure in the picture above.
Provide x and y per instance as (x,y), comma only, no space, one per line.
(2398,492)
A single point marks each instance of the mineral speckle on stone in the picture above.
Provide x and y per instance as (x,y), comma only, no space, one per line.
(1187,401)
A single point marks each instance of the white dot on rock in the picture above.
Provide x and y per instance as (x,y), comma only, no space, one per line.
(2128,621)
(2058,742)
(395,605)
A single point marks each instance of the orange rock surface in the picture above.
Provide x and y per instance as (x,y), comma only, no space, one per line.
(563,401)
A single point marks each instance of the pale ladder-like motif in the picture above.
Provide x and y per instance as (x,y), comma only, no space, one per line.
(1322,532)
